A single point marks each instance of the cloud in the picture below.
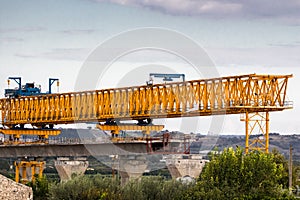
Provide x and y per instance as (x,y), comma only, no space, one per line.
(11,39)
(285,10)
(270,56)
(273,56)
(182,7)
(22,29)
(77,54)
(292,44)
(78,31)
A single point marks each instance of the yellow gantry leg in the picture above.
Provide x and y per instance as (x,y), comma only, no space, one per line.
(256,123)
(32,173)
(41,169)
(17,179)
(28,165)
(247,132)
(24,175)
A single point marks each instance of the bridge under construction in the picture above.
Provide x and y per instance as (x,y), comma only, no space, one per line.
(252,95)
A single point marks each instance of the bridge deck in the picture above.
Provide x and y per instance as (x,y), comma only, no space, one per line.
(77,150)
(70,150)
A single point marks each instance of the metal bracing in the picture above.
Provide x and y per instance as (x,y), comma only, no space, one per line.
(16,134)
(226,95)
(32,165)
(257,131)
(132,127)
(115,130)
(250,94)
(43,133)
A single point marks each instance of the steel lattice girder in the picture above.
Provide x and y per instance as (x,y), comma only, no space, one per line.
(216,96)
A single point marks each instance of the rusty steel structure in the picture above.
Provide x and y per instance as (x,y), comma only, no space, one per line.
(246,94)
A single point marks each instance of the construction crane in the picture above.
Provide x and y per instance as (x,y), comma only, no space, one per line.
(252,95)
(29,89)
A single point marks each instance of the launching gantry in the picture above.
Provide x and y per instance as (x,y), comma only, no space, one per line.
(253,96)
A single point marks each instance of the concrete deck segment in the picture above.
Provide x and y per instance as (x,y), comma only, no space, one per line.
(71,150)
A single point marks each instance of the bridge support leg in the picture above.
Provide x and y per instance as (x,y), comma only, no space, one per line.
(131,167)
(66,167)
(17,175)
(256,123)
(28,170)
(185,165)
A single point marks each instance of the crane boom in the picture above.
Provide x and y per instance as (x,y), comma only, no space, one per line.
(225,95)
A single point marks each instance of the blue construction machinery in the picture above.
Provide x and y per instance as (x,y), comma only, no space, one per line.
(29,89)
(166,77)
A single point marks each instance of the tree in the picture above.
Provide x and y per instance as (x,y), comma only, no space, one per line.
(40,188)
(235,175)
(280,159)
(85,187)
(97,187)
(154,188)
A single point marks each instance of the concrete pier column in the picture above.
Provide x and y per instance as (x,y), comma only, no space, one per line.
(131,167)
(66,167)
(185,165)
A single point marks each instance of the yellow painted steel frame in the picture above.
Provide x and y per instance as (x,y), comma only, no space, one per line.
(226,95)
(256,123)
(33,165)
(117,128)
(43,133)
(16,133)
(216,96)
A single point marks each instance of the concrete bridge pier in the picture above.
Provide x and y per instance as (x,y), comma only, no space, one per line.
(131,167)
(66,167)
(185,165)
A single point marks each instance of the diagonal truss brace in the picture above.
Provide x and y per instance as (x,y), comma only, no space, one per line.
(257,131)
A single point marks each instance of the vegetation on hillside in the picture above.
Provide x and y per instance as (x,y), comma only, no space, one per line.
(229,175)
(234,175)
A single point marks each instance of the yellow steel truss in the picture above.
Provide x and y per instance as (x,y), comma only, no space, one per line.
(226,95)
(24,165)
(217,96)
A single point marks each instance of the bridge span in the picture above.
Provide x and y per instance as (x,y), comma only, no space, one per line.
(71,150)
(79,150)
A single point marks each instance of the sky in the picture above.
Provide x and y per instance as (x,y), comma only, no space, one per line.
(54,38)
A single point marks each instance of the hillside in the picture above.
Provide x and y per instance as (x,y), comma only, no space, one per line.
(280,142)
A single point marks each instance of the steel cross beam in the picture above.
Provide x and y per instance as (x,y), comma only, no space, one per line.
(16,134)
